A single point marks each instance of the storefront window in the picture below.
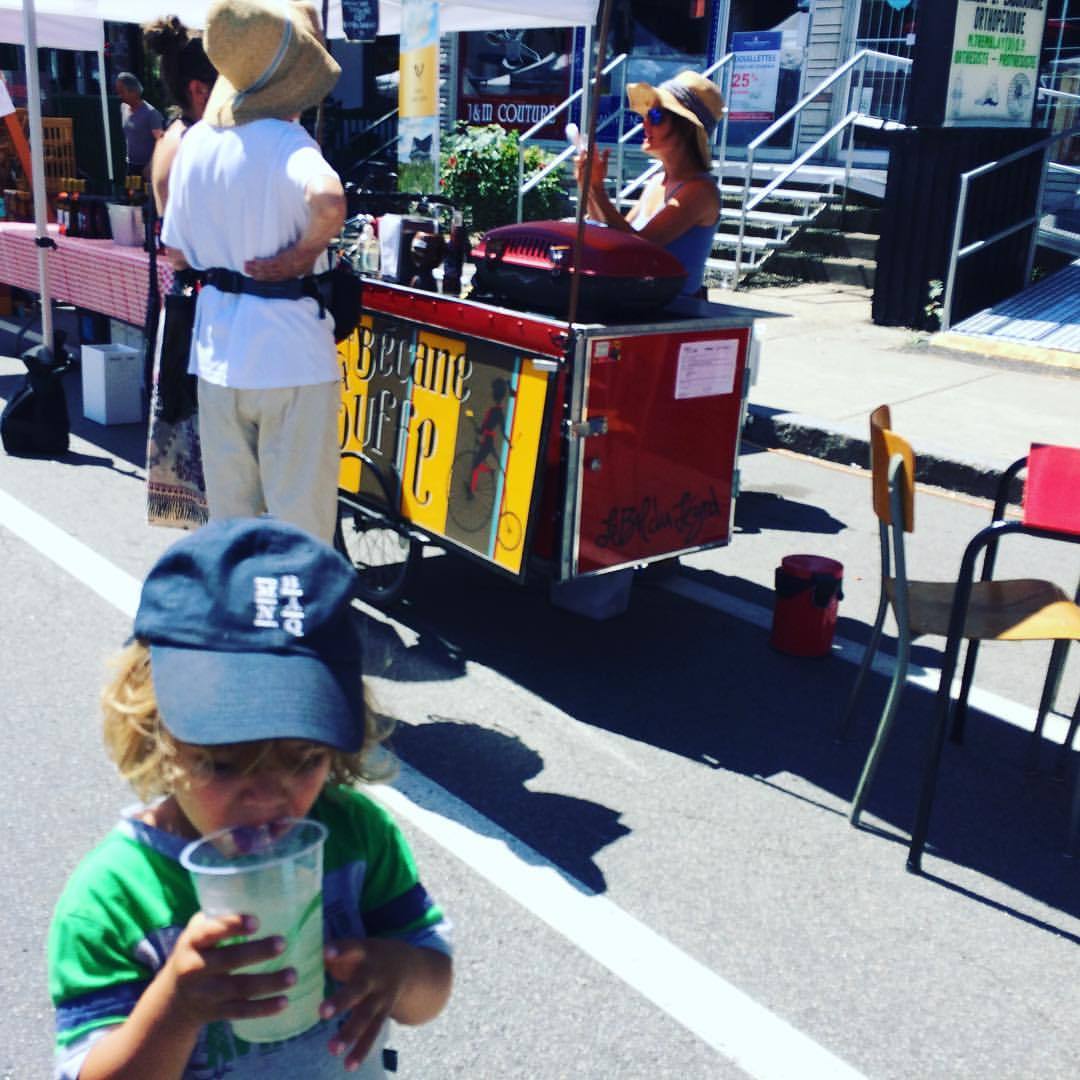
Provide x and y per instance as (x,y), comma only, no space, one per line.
(514,77)
(661,39)
(768,38)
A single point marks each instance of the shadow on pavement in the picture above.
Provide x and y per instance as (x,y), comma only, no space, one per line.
(756,511)
(466,758)
(727,702)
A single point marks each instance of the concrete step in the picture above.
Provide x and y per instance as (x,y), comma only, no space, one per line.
(855,245)
(862,219)
(725,239)
(804,196)
(722,266)
(762,217)
(805,266)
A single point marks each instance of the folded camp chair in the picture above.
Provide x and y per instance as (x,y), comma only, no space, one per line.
(1016,610)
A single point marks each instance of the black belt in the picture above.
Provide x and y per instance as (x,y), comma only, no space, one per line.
(232,281)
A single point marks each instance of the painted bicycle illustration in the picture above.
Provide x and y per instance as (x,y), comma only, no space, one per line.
(478,473)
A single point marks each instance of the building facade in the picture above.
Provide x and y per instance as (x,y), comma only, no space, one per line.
(514,77)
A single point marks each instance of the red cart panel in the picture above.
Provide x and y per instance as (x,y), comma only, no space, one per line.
(659,478)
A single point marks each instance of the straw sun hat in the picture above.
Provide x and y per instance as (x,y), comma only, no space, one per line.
(689,95)
(270,58)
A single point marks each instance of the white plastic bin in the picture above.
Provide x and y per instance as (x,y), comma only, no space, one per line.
(112,384)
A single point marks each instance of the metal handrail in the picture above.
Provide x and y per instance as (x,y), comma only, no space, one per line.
(622,192)
(549,118)
(378,151)
(1060,166)
(956,252)
(846,68)
(1051,96)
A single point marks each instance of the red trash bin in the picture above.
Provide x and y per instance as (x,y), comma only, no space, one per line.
(809,589)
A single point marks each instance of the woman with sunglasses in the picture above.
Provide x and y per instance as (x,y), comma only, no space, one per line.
(680,206)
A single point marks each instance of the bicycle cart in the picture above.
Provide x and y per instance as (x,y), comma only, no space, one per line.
(532,445)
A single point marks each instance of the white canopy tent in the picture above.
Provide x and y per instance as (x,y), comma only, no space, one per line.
(40,19)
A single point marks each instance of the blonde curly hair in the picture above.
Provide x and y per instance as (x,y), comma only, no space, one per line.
(147,754)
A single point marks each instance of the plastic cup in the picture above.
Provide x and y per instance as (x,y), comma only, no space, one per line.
(273,872)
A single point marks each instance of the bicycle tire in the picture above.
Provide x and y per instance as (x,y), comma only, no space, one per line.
(510,530)
(382,551)
(470,514)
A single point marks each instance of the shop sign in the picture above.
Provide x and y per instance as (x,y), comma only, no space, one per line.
(458,419)
(755,76)
(360,19)
(514,78)
(994,69)
(514,115)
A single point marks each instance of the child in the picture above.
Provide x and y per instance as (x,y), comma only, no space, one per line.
(240,702)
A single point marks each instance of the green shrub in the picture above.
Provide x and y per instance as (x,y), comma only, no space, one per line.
(478,173)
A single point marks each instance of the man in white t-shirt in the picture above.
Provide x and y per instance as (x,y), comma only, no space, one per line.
(253,202)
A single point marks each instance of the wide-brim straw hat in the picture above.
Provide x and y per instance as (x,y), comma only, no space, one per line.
(690,95)
(270,59)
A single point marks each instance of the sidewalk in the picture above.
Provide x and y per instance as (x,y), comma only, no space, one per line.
(825,366)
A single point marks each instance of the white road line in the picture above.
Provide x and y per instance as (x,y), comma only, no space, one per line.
(758,1041)
(110,582)
(761,1043)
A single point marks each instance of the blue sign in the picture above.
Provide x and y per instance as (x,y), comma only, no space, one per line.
(360,19)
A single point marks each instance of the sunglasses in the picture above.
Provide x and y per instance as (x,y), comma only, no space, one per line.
(656,115)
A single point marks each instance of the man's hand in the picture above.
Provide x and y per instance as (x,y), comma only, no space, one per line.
(292,262)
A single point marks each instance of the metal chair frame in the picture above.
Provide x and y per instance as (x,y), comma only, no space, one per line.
(986,540)
(900,504)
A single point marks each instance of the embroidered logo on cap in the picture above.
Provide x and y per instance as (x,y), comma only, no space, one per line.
(277,604)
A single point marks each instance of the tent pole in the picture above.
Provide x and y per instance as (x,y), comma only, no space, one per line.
(103,87)
(37,160)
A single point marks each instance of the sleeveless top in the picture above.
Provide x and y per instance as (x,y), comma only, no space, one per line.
(692,247)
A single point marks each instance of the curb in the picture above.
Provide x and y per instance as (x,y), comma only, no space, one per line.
(847,444)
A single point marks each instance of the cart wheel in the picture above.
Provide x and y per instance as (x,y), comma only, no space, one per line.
(382,551)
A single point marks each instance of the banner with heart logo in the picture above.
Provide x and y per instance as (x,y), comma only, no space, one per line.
(418,96)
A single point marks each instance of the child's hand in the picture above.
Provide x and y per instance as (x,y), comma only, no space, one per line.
(373,973)
(204,986)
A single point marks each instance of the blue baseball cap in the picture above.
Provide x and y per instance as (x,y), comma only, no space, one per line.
(252,636)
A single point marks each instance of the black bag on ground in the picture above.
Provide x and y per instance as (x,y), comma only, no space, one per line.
(35,421)
(177,391)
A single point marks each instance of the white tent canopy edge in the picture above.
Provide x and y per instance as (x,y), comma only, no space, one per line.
(453,17)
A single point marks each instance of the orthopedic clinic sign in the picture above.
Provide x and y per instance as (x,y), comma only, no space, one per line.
(994,67)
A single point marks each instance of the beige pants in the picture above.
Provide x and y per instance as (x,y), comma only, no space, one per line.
(272,451)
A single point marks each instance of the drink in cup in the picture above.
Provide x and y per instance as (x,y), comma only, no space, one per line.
(273,872)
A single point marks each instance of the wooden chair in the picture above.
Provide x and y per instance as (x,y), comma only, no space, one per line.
(1015,610)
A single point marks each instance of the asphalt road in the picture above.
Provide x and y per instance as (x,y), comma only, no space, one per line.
(637,826)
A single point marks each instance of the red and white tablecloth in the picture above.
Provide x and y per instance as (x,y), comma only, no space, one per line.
(94,274)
